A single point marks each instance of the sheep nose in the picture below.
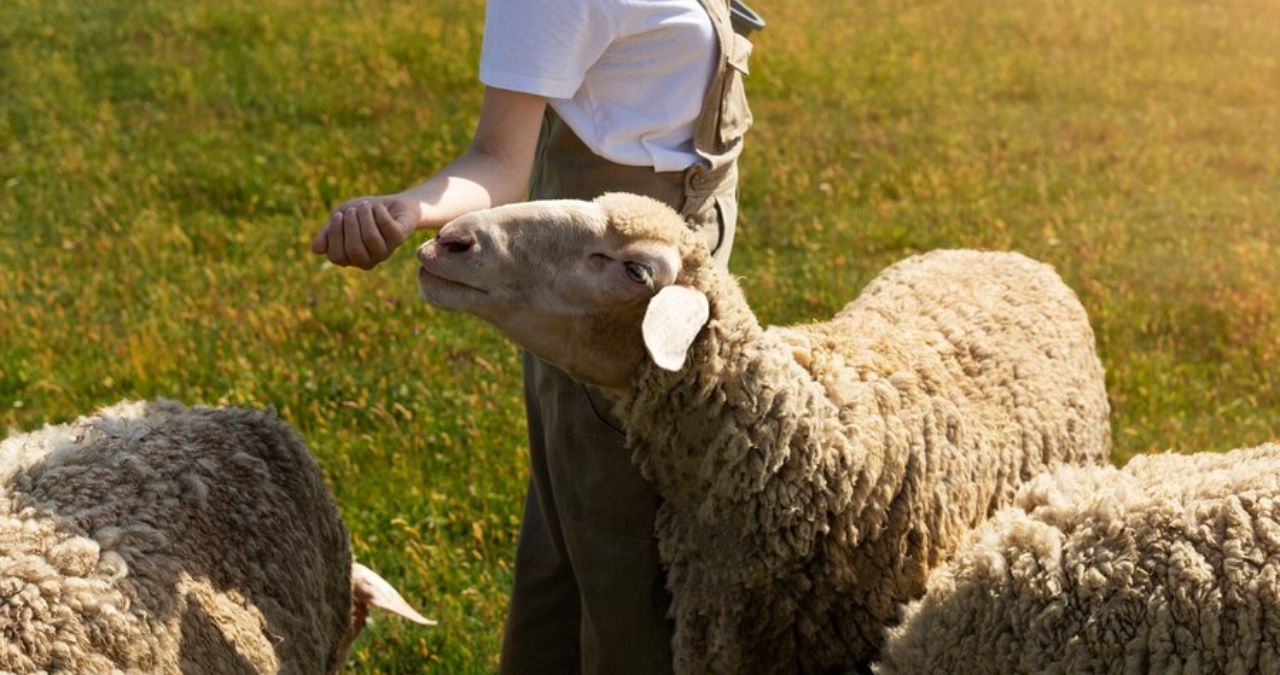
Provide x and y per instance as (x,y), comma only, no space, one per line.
(453,241)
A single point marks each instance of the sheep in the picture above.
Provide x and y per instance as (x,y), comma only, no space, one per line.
(811,475)
(151,537)
(1171,565)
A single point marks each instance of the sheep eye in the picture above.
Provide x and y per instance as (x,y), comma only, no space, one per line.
(638,273)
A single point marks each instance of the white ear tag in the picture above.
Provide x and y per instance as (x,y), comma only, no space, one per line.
(371,589)
(672,321)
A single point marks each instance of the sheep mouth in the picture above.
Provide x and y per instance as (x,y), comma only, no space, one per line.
(429,283)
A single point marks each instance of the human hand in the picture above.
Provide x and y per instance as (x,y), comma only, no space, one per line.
(363,232)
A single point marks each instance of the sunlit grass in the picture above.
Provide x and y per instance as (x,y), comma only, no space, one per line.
(163,166)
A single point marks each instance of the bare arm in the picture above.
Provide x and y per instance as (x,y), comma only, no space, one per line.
(494,170)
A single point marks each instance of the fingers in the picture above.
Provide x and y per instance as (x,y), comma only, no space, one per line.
(369,234)
(320,244)
(357,254)
(392,232)
(336,250)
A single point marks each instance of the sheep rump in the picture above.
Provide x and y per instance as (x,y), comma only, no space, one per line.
(1169,565)
(150,537)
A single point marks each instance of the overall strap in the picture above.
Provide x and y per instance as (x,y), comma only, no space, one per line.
(724,119)
(725,116)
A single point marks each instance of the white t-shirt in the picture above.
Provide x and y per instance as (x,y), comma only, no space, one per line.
(627,76)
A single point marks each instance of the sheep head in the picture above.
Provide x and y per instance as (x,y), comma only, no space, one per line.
(589,286)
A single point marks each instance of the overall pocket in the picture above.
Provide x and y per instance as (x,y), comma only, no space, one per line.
(735,114)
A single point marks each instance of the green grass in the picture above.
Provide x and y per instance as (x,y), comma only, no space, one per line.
(164,165)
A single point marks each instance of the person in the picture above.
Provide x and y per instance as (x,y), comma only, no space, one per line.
(583,97)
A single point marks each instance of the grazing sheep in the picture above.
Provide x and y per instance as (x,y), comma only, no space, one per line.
(150,537)
(1170,565)
(811,475)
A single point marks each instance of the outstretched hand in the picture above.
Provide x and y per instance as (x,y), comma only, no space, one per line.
(363,232)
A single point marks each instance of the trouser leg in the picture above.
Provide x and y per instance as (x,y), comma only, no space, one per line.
(543,619)
(603,511)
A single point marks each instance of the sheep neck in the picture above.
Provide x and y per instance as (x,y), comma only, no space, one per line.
(728,440)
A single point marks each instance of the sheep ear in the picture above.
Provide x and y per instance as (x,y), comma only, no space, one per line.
(371,589)
(672,321)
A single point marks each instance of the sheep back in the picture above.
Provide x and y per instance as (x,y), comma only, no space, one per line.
(1169,565)
(1003,334)
(151,537)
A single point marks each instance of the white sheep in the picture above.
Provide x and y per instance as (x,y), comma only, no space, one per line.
(811,475)
(151,537)
(1170,565)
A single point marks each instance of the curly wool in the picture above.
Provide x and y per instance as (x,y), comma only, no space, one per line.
(1171,565)
(813,475)
(150,537)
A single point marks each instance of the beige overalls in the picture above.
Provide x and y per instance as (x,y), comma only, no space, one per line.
(590,595)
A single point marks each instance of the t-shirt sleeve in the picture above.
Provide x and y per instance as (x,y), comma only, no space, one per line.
(543,47)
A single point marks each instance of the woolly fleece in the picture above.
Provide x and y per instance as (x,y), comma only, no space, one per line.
(154,538)
(1171,565)
(813,475)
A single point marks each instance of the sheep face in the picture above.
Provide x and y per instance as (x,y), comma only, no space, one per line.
(569,280)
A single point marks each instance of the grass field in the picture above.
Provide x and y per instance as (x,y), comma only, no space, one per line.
(163,166)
